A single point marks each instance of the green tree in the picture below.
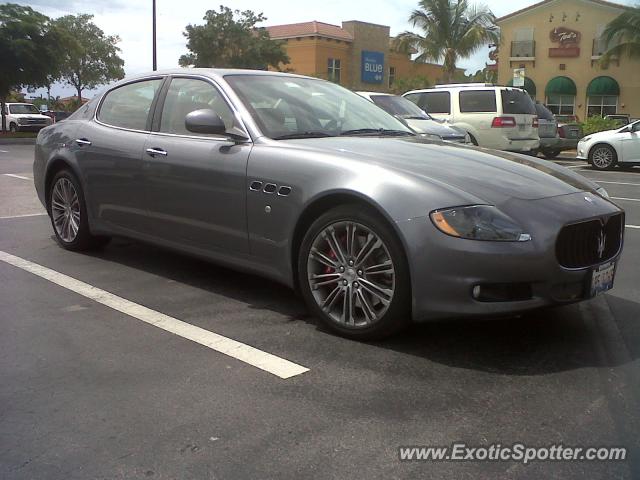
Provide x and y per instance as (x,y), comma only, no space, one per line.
(230,38)
(28,50)
(404,84)
(622,35)
(451,30)
(90,57)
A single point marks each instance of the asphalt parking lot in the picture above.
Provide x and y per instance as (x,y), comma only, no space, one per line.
(91,391)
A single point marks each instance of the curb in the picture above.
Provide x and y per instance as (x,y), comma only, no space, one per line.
(17,141)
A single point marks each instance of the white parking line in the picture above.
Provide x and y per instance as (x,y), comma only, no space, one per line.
(245,353)
(4,151)
(615,183)
(633,226)
(627,199)
(23,215)
(16,176)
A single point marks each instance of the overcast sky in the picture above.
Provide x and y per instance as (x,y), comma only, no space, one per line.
(131,20)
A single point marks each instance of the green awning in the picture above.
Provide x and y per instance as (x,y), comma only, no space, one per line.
(603,86)
(560,86)
(529,86)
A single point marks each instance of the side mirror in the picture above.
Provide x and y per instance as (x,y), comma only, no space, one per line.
(205,121)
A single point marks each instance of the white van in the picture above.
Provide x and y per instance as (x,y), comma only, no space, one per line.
(24,116)
(497,117)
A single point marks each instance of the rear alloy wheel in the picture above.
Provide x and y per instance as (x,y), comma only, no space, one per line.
(353,274)
(550,154)
(603,157)
(69,214)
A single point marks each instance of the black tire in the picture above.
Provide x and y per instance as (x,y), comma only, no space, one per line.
(473,140)
(13,127)
(83,239)
(534,152)
(398,310)
(551,154)
(597,156)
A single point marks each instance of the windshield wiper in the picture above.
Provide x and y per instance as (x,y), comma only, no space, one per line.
(290,136)
(375,132)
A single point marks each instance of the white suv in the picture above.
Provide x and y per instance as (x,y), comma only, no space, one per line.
(24,116)
(497,117)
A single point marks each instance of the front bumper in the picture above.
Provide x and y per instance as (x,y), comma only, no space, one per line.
(582,151)
(445,270)
(558,143)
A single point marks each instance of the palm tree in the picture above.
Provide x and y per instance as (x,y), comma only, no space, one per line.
(452,30)
(622,35)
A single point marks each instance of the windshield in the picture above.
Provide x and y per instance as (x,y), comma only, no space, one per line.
(399,106)
(292,107)
(517,102)
(23,108)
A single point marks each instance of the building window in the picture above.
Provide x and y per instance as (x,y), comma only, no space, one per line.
(561,104)
(392,75)
(333,70)
(602,105)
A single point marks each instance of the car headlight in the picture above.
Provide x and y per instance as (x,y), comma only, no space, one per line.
(432,136)
(21,121)
(478,222)
(602,192)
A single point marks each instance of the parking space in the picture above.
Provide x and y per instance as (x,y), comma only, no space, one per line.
(92,388)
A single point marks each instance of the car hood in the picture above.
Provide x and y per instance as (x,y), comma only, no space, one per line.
(490,175)
(434,128)
(28,115)
(603,134)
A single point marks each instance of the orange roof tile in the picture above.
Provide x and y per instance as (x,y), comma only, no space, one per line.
(307,29)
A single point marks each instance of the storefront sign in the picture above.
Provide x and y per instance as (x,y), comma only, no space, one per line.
(565,36)
(372,68)
(568,41)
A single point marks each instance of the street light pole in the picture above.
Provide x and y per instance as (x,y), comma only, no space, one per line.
(155,55)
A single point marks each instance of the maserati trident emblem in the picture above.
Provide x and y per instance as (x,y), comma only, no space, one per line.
(602,238)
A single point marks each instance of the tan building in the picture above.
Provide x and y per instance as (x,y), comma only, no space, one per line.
(557,43)
(357,55)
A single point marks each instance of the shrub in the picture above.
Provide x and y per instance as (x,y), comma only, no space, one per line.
(597,124)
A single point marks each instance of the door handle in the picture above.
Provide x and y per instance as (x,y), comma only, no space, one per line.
(156,151)
(82,142)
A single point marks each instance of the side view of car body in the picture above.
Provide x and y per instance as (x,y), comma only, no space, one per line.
(416,118)
(24,117)
(503,118)
(304,182)
(554,138)
(605,150)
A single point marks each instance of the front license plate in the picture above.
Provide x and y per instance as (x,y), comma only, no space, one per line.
(602,278)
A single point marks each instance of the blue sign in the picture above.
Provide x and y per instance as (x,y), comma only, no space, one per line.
(372,68)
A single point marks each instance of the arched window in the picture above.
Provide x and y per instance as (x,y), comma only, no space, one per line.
(561,96)
(602,96)
(529,86)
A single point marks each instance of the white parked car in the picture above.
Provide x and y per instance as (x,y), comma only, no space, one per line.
(605,150)
(418,120)
(497,117)
(25,116)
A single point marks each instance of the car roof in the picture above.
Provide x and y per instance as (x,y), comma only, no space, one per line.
(377,93)
(463,86)
(212,73)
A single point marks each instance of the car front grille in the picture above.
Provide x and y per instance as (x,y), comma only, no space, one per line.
(589,243)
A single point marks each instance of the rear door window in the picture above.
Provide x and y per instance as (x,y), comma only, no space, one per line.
(544,113)
(432,102)
(477,101)
(517,102)
(128,106)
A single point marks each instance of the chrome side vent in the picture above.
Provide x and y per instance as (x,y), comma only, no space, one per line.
(255,186)
(269,188)
(284,191)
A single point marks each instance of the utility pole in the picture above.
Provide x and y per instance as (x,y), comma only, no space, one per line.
(155,55)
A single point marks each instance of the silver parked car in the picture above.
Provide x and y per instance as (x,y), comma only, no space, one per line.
(417,119)
(302,181)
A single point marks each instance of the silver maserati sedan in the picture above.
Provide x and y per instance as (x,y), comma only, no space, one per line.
(302,181)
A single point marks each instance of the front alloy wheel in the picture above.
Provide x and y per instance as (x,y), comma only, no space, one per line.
(354,276)
(603,157)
